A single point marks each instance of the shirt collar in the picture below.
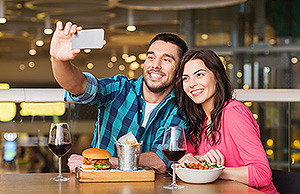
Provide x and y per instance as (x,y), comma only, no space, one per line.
(139,88)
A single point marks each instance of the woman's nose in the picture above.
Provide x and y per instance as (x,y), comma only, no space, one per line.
(193,82)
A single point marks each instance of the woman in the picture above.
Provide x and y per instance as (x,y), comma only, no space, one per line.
(222,130)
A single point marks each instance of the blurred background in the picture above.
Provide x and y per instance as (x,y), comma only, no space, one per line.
(257,40)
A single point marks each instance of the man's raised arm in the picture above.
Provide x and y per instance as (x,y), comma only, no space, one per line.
(66,74)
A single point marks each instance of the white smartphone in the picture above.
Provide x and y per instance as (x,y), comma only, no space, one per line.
(88,39)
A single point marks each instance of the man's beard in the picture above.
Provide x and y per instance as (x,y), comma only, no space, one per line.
(160,88)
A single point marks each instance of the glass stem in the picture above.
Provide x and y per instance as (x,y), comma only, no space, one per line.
(174,175)
(59,166)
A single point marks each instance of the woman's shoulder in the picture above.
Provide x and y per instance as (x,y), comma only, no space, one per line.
(233,103)
(236,107)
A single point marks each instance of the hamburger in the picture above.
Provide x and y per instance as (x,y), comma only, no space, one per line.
(96,159)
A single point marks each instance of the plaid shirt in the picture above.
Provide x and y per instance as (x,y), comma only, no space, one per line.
(121,109)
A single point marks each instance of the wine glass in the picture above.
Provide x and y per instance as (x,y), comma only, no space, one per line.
(174,148)
(59,143)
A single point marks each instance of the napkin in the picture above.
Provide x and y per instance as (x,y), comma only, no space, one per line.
(128,139)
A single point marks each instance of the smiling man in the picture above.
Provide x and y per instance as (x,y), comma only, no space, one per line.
(144,106)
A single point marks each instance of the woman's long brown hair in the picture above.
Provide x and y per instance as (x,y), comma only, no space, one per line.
(193,113)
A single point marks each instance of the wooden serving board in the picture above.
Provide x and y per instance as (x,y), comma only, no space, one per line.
(113,175)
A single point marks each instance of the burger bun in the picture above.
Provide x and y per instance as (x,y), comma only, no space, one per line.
(96,153)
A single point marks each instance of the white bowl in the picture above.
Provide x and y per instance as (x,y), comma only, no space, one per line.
(198,176)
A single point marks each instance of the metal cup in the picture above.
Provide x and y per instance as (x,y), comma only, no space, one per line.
(128,156)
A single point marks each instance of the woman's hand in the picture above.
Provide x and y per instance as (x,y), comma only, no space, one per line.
(212,156)
(188,158)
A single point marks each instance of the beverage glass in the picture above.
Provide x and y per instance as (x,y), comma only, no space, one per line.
(59,143)
(174,148)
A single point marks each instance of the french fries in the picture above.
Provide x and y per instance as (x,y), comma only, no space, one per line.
(130,143)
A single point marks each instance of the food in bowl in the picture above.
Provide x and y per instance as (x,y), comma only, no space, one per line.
(198,172)
(201,166)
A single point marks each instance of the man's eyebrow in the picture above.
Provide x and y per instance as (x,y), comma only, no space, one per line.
(165,54)
(169,55)
(149,52)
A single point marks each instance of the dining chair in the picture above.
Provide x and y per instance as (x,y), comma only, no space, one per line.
(286,182)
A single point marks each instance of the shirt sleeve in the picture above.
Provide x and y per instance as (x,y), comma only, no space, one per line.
(89,94)
(245,133)
(100,91)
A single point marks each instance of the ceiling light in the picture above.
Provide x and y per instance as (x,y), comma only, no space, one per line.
(110,65)
(132,58)
(134,66)
(113,59)
(87,51)
(2,12)
(131,27)
(294,60)
(48,29)
(128,60)
(2,20)
(204,36)
(142,56)
(25,34)
(131,74)
(39,43)
(32,52)
(31,64)
(122,67)
(22,67)
(90,65)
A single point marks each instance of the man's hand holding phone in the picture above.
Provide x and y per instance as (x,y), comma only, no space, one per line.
(61,43)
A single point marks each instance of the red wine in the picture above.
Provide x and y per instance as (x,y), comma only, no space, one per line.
(174,155)
(60,150)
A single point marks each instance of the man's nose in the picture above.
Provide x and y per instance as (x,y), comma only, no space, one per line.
(156,64)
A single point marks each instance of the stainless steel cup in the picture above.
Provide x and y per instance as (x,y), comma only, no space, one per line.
(128,156)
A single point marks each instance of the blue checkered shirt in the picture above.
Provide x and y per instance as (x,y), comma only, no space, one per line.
(121,108)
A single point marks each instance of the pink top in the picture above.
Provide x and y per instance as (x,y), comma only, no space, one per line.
(241,145)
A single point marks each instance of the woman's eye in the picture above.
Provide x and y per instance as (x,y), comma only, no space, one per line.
(184,79)
(200,74)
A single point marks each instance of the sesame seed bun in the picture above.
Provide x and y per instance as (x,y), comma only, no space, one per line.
(96,153)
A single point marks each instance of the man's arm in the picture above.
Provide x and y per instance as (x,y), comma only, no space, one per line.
(66,74)
(151,159)
(148,159)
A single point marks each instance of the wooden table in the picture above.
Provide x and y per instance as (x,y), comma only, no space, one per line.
(40,183)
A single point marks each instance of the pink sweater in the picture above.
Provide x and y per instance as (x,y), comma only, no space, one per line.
(240,144)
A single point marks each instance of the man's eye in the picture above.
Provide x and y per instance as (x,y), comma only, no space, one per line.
(150,57)
(167,60)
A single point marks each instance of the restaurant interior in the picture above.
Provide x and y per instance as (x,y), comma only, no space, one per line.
(258,42)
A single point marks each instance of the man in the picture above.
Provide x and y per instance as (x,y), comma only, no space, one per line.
(144,106)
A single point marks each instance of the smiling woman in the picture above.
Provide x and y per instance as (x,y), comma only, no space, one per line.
(222,130)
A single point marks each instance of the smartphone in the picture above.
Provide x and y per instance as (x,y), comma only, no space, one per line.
(88,39)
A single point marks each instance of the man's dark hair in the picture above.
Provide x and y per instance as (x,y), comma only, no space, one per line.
(171,38)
